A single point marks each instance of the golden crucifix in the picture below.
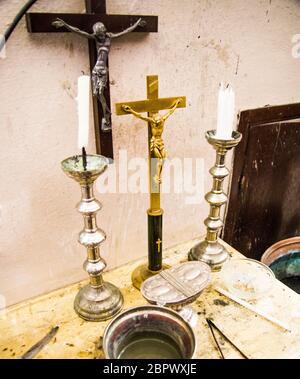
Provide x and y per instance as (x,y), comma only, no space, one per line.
(157,123)
(156,155)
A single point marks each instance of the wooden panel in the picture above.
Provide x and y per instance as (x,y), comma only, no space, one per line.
(263,206)
(95,6)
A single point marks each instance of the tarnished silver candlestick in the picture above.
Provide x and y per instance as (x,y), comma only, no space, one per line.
(210,250)
(98,300)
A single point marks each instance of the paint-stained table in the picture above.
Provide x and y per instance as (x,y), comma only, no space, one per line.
(26,323)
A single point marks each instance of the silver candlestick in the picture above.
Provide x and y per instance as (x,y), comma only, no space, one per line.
(98,300)
(210,250)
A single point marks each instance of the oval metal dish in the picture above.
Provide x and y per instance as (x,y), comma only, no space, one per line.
(177,286)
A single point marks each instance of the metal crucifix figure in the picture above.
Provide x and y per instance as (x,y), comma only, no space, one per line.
(157,123)
(100,71)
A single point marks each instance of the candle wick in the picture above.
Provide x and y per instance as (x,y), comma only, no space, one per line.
(84,162)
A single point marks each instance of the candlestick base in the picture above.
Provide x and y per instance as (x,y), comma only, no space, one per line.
(212,253)
(142,272)
(98,304)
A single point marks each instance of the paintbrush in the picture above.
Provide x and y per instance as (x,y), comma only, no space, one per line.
(35,349)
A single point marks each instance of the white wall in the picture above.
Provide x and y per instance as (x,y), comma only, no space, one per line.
(198,45)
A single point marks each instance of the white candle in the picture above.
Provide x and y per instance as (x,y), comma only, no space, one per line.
(226,112)
(83,104)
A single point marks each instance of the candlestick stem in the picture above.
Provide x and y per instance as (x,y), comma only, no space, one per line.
(210,250)
(99,300)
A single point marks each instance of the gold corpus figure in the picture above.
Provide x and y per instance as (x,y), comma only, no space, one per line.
(157,124)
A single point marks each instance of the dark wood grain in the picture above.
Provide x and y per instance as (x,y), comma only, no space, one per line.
(263,205)
(95,6)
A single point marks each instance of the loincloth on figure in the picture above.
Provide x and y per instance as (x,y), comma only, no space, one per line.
(157,146)
(99,75)
(99,80)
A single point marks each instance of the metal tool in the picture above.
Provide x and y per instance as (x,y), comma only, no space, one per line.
(35,349)
(213,326)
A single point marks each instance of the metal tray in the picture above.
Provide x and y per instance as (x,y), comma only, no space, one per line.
(177,286)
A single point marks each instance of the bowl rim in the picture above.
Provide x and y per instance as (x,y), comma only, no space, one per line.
(268,271)
(102,158)
(275,247)
(258,263)
(157,308)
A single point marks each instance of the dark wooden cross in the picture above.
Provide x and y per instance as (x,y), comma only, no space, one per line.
(96,12)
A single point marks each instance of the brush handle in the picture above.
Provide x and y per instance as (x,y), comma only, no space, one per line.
(254,309)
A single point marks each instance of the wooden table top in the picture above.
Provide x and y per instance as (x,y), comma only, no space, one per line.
(24,324)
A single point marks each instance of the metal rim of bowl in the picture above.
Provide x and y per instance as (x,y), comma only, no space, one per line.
(100,157)
(155,308)
(256,262)
(276,247)
(267,269)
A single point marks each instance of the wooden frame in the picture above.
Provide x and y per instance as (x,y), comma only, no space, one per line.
(248,119)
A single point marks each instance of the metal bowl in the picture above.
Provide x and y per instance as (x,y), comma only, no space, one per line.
(280,249)
(283,258)
(149,332)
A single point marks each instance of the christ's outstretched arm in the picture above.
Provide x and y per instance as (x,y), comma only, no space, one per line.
(172,110)
(128,109)
(131,28)
(59,23)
